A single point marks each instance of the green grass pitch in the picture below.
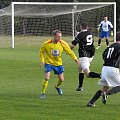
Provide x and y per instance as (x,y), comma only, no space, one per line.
(20,85)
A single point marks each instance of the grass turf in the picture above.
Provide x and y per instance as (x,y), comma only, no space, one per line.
(20,84)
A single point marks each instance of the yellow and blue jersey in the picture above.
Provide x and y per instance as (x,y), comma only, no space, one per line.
(51,52)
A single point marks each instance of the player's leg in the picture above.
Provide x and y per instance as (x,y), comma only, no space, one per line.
(94,75)
(113,90)
(59,83)
(97,95)
(99,43)
(107,42)
(91,74)
(45,84)
(86,69)
(80,78)
(60,80)
(104,95)
(84,64)
(102,82)
(99,40)
(115,80)
(48,68)
(110,77)
(59,71)
(106,37)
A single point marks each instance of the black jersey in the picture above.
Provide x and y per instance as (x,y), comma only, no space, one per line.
(111,55)
(85,41)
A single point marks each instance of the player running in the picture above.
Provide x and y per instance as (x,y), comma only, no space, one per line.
(86,53)
(110,76)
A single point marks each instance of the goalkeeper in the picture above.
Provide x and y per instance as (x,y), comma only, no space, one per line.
(50,56)
(106,27)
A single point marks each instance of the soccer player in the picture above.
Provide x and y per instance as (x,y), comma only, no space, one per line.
(110,76)
(50,56)
(106,27)
(86,53)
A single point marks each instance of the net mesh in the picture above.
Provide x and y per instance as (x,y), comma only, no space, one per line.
(40,20)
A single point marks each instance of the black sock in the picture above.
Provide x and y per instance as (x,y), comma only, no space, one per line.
(107,42)
(99,42)
(113,90)
(96,96)
(94,75)
(81,78)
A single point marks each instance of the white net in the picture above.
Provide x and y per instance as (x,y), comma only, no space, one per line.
(36,21)
(5,27)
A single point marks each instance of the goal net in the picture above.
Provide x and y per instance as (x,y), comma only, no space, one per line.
(27,23)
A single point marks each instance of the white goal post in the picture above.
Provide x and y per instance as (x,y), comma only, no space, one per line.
(71,8)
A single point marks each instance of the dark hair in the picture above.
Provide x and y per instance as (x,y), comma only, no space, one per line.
(105,16)
(118,36)
(84,25)
(54,32)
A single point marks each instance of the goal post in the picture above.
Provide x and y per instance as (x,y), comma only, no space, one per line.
(13,38)
(40,18)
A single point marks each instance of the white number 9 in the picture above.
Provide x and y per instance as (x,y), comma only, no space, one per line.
(89,39)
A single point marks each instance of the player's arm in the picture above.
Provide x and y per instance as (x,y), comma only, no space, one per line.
(42,50)
(98,28)
(69,52)
(74,42)
(111,26)
(72,46)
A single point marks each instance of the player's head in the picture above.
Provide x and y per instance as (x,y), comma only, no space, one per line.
(105,18)
(57,34)
(83,26)
(118,36)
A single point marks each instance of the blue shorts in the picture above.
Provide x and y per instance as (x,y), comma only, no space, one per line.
(104,34)
(56,69)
